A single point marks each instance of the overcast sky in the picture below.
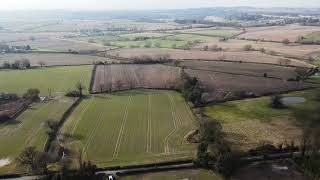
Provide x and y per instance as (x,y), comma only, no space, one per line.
(147,4)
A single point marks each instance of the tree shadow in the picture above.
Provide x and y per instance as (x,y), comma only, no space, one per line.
(8,121)
(73,137)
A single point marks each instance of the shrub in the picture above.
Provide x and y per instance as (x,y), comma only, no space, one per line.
(247,47)
(276,101)
(73,93)
(286,41)
(32,94)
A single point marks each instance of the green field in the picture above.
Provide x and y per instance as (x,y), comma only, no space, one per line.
(158,40)
(252,121)
(29,129)
(311,38)
(58,79)
(133,127)
(212,32)
(188,174)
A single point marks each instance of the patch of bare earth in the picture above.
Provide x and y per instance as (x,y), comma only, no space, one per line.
(279,33)
(124,76)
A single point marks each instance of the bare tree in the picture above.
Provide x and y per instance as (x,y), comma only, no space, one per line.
(33,160)
(80,87)
(118,84)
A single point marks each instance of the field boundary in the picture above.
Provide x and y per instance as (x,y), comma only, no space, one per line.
(129,61)
(93,77)
(63,119)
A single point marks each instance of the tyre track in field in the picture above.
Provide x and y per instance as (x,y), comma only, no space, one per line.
(78,119)
(149,131)
(123,124)
(173,115)
(93,132)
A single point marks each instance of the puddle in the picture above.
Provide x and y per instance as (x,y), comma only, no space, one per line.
(293,100)
(4,162)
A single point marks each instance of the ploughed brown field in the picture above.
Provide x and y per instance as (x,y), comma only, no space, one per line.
(225,86)
(110,78)
(291,50)
(245,69)
(245,56)
(279,33)
(238,80)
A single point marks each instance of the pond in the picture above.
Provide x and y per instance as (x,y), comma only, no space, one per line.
(293,100)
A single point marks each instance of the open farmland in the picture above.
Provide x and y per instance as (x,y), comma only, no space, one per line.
(279,33)
(60,45)
(29,128)
(10,37)
(245,69)
(214,32)
(312,38)
(59,79)
(147,40)
(52,59)
(294,50)
(249,57)
(131,127)
(225,86)
(192,174)
(248,123)
(121,77)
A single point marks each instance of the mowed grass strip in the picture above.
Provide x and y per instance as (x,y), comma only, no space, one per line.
(58,79)
(131,127)
(29,129)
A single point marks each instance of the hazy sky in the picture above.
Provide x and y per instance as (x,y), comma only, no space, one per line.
(147,4)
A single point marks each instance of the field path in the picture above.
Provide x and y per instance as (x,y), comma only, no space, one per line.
(149,130)
(123,124)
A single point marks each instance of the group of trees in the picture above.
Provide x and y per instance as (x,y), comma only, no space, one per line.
(192,90)
(37,162)
(18,64)
(213,150)
(156,59)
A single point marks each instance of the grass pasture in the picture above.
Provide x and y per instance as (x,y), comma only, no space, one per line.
(29,129)
(312,38)
(152,40)
(248,123)
(214,32)
(52,59)
(60,45)
(58,79)
(131,127)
